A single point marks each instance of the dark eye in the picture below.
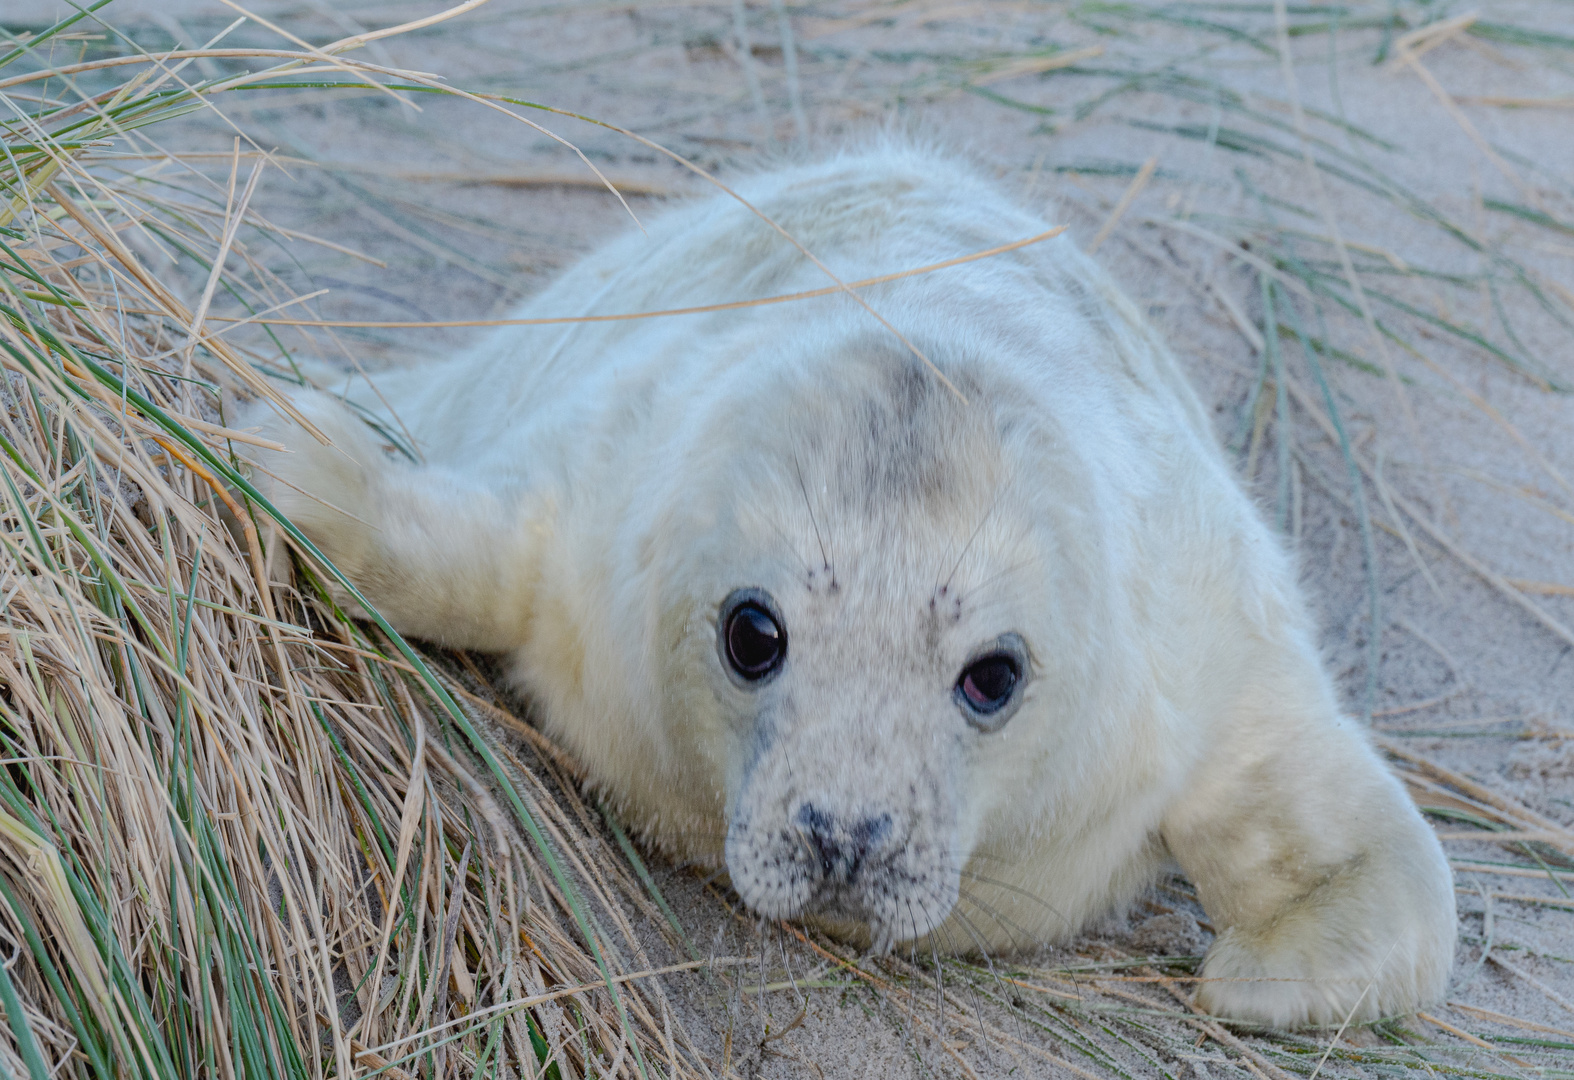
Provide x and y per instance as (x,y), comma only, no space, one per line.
(989,687)
(988,683)
(753,641)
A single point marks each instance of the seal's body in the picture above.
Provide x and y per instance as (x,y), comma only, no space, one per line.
(965,660)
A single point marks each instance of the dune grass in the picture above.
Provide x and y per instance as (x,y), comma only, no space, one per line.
(240,834)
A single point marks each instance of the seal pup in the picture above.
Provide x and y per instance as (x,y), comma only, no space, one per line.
(960,661)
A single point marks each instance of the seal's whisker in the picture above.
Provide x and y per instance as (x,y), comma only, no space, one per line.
(1033,898)
(792,979)
(934,955)
(781,534)
(973,589)
(989,966)
(1021,938)
(977,1016)
(808,505)
(979,941)
(989,856)
(945,586)
(974,930)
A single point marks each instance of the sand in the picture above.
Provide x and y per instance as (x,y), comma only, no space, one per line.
(1468,677)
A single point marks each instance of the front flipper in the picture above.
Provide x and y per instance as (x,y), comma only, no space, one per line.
(439,556)
(1332,897)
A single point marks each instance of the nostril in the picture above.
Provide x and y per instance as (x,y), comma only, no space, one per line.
(871,832)
(841,849)
(819,828)
(828,850)
(813,819)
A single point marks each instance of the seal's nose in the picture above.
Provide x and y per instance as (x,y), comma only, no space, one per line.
(842,846)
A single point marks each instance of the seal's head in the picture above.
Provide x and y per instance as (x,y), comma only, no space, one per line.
(834,814)
(863,633)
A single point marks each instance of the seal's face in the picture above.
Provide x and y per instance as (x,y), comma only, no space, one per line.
(864,722)
(873,646)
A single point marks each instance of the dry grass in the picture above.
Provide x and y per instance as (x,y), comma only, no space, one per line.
(240,835)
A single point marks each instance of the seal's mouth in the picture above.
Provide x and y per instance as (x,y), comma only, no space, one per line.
(859,876)
(845,911)
(840,903)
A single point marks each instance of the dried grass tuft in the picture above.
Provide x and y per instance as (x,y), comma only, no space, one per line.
(240,835)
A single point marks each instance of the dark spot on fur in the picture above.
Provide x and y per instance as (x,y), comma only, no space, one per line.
(905,423)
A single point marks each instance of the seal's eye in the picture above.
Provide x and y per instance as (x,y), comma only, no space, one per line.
(988,684)
(988,687)
(753,641)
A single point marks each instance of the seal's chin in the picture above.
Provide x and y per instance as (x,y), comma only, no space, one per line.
(843,914)
(880,924)
(879,907)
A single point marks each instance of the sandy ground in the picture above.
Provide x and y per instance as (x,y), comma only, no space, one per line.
(1468,677)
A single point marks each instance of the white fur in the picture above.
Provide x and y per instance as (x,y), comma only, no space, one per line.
(591,493)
